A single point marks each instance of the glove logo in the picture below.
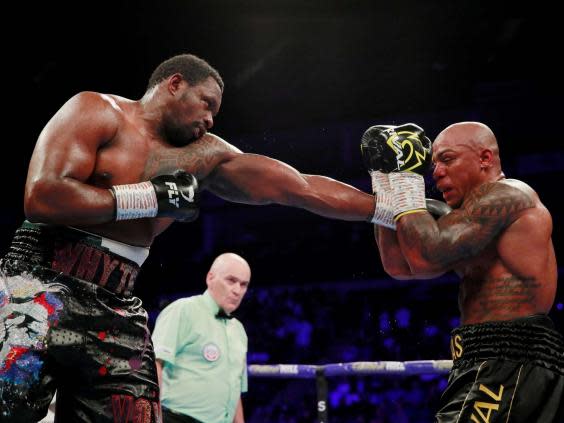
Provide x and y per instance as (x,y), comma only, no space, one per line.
(172,194)
(399,142)
(191,194)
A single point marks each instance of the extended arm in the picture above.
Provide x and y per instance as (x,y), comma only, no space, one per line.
(431,246)
(256,179)
(64,158)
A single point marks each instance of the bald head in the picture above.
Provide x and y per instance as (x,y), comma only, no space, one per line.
(474,134)
(227,260)
(228,280)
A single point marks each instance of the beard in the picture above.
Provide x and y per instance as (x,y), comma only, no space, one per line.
(180,135)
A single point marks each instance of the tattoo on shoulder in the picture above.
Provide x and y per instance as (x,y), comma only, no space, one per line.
(496,200)
(468,230)
(198,158)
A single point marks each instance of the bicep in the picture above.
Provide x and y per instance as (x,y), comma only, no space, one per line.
(254,179)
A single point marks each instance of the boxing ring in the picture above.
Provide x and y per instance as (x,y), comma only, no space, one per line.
(321,372)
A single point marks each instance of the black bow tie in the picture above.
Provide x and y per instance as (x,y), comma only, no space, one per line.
(221,314)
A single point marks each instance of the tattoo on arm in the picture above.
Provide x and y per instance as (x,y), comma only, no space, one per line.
(465,232)
(198,158)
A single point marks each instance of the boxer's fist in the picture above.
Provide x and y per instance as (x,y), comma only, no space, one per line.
(178,195)
(396,148)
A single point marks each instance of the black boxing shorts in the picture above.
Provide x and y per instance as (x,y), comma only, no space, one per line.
(68,323)
(510,372)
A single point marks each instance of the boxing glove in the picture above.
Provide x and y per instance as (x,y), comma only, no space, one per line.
(389,148)
(404,153)
(174,195)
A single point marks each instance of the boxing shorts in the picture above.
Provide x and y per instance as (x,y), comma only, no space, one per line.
(509,371)
(69,323)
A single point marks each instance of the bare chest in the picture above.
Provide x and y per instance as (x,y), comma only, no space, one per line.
(491,291)
(133,157)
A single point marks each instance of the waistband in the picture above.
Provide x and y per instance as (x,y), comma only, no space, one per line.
(532,338)
(76,253)
(131,252)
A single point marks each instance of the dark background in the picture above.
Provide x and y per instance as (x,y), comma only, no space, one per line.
(303,81)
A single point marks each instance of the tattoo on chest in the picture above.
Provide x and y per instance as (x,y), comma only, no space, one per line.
(502,296)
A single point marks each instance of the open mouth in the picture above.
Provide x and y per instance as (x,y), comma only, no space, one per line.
(446,192)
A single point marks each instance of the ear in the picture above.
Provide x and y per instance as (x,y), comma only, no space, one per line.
(209,278)
(174,83)
(486,158)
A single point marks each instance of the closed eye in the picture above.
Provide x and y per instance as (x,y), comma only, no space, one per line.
(211,105)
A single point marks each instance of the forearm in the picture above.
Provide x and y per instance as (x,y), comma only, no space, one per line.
(68,201)
(425,248)
(256,179)
(391,255)
(330,198)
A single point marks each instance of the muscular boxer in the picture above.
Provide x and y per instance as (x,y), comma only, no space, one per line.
(508,357)
(106,177)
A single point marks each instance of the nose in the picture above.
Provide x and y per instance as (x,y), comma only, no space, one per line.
(208,121)
(438,171)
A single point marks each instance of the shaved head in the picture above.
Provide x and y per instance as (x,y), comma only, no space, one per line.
(226,261)
(475,134)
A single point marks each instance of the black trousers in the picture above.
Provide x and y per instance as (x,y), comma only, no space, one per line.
(172,417)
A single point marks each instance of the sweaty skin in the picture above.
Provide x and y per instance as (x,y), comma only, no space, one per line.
(97,140)
(498,238)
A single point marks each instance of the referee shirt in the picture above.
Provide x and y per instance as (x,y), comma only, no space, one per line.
(204,359)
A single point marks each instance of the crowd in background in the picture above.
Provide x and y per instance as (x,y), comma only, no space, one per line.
(337,323)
